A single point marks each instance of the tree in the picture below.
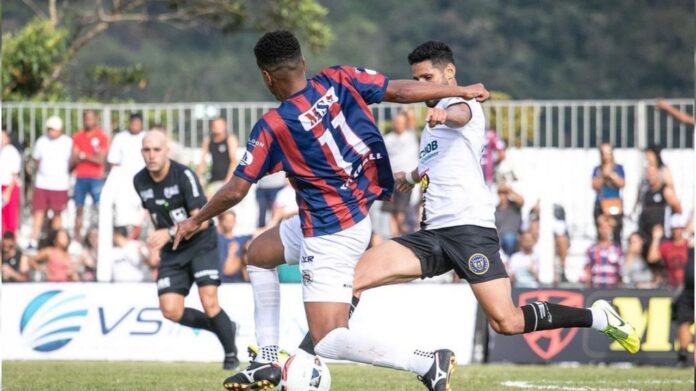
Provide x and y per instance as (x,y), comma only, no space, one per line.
(74,24)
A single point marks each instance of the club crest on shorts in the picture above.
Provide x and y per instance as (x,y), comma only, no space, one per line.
(479,264)
(307,277)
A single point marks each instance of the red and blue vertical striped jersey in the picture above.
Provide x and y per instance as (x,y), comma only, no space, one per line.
(326,140)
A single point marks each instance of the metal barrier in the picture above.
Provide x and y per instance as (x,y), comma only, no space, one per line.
(542,124)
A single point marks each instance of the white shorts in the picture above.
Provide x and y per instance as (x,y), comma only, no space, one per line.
(327,262)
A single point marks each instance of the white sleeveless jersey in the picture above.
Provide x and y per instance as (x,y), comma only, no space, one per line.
(454,191)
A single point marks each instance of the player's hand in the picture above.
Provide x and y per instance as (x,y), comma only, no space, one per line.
(158,238)
(436,117)
(184,230)
(476,91)
(400,182)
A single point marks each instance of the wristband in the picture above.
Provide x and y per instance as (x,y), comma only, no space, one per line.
(409,179)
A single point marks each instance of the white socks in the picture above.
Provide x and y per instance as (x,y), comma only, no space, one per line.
(266,288)
(599,319)
(347,344)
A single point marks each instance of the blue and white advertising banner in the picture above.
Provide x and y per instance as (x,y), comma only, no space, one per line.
(80,321)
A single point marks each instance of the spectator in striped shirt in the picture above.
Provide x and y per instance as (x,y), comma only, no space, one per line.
(603,267)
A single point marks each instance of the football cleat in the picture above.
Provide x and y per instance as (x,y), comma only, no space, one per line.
(257,376)
(438,377)
(253,351)
(618,329)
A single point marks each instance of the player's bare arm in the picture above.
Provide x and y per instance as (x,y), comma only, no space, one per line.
(454,116)
(410,91)
(228,196)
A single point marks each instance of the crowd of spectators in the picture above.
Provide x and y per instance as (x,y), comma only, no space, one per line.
(652,256)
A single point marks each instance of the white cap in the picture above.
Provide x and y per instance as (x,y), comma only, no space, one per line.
(678,221)
(54,122)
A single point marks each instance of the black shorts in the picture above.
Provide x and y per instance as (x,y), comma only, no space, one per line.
(684,307)
(179,269)
(472,251)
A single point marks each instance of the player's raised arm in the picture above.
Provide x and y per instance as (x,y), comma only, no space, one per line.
(228,196)
(411,91)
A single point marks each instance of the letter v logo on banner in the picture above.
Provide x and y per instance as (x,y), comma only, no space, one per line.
(548,343)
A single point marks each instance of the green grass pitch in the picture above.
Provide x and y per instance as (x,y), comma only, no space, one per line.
(134,376)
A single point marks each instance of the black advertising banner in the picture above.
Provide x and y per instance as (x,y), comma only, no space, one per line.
(649,311)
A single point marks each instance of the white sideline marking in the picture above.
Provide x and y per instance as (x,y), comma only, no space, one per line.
(528,385)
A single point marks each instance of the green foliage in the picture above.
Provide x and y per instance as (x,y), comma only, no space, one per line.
(510,121)
(28,57)
(307,17)
(108,81)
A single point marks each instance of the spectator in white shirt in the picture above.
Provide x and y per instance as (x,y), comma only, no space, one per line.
(127,258)
(402,146)
(10,166)
(52,153)
(126,160)
(523,266)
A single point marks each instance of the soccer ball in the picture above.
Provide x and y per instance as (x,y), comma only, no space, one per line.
(304,372)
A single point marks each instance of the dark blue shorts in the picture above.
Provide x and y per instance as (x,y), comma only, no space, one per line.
(84,186)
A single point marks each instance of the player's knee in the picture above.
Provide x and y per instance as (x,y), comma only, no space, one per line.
(172,312)
(506,324)
(211,307)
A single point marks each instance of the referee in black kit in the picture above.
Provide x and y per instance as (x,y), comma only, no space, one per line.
(171,193)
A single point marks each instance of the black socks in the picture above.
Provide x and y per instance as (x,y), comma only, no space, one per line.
(196,319)
(219,324)
(542,315)
(222,327)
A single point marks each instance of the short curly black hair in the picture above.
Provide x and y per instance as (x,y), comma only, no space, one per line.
(276,48)
(436,51)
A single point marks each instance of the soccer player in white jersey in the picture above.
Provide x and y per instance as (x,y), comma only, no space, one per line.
(458,226)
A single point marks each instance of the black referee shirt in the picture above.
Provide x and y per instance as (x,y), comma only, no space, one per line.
(170,201)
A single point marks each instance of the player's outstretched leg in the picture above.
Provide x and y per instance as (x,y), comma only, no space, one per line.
(265,252)
(494,296)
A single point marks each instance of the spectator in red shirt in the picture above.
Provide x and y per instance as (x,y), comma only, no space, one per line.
(88,156)
(603,268)
(671,254)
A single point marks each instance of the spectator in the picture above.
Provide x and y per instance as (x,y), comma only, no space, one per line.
(52,155)
(230,249)
(89,154)
(493,154)
(10,166)
(54,261)
(126,160)
(670,254)
(127,258)
(89,255)
(636,271)
(15,266)
(222,148)
(654,203)
(267,189)
(508,218)
(176,150)
(681,116)
(607,180)
(402,147)
(523,266)
(603,267)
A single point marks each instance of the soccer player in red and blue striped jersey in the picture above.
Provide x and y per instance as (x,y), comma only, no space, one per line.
(324,137)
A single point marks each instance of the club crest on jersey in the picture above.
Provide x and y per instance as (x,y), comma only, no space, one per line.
(479,264)
(246,159)
(171,191)
(312,117)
